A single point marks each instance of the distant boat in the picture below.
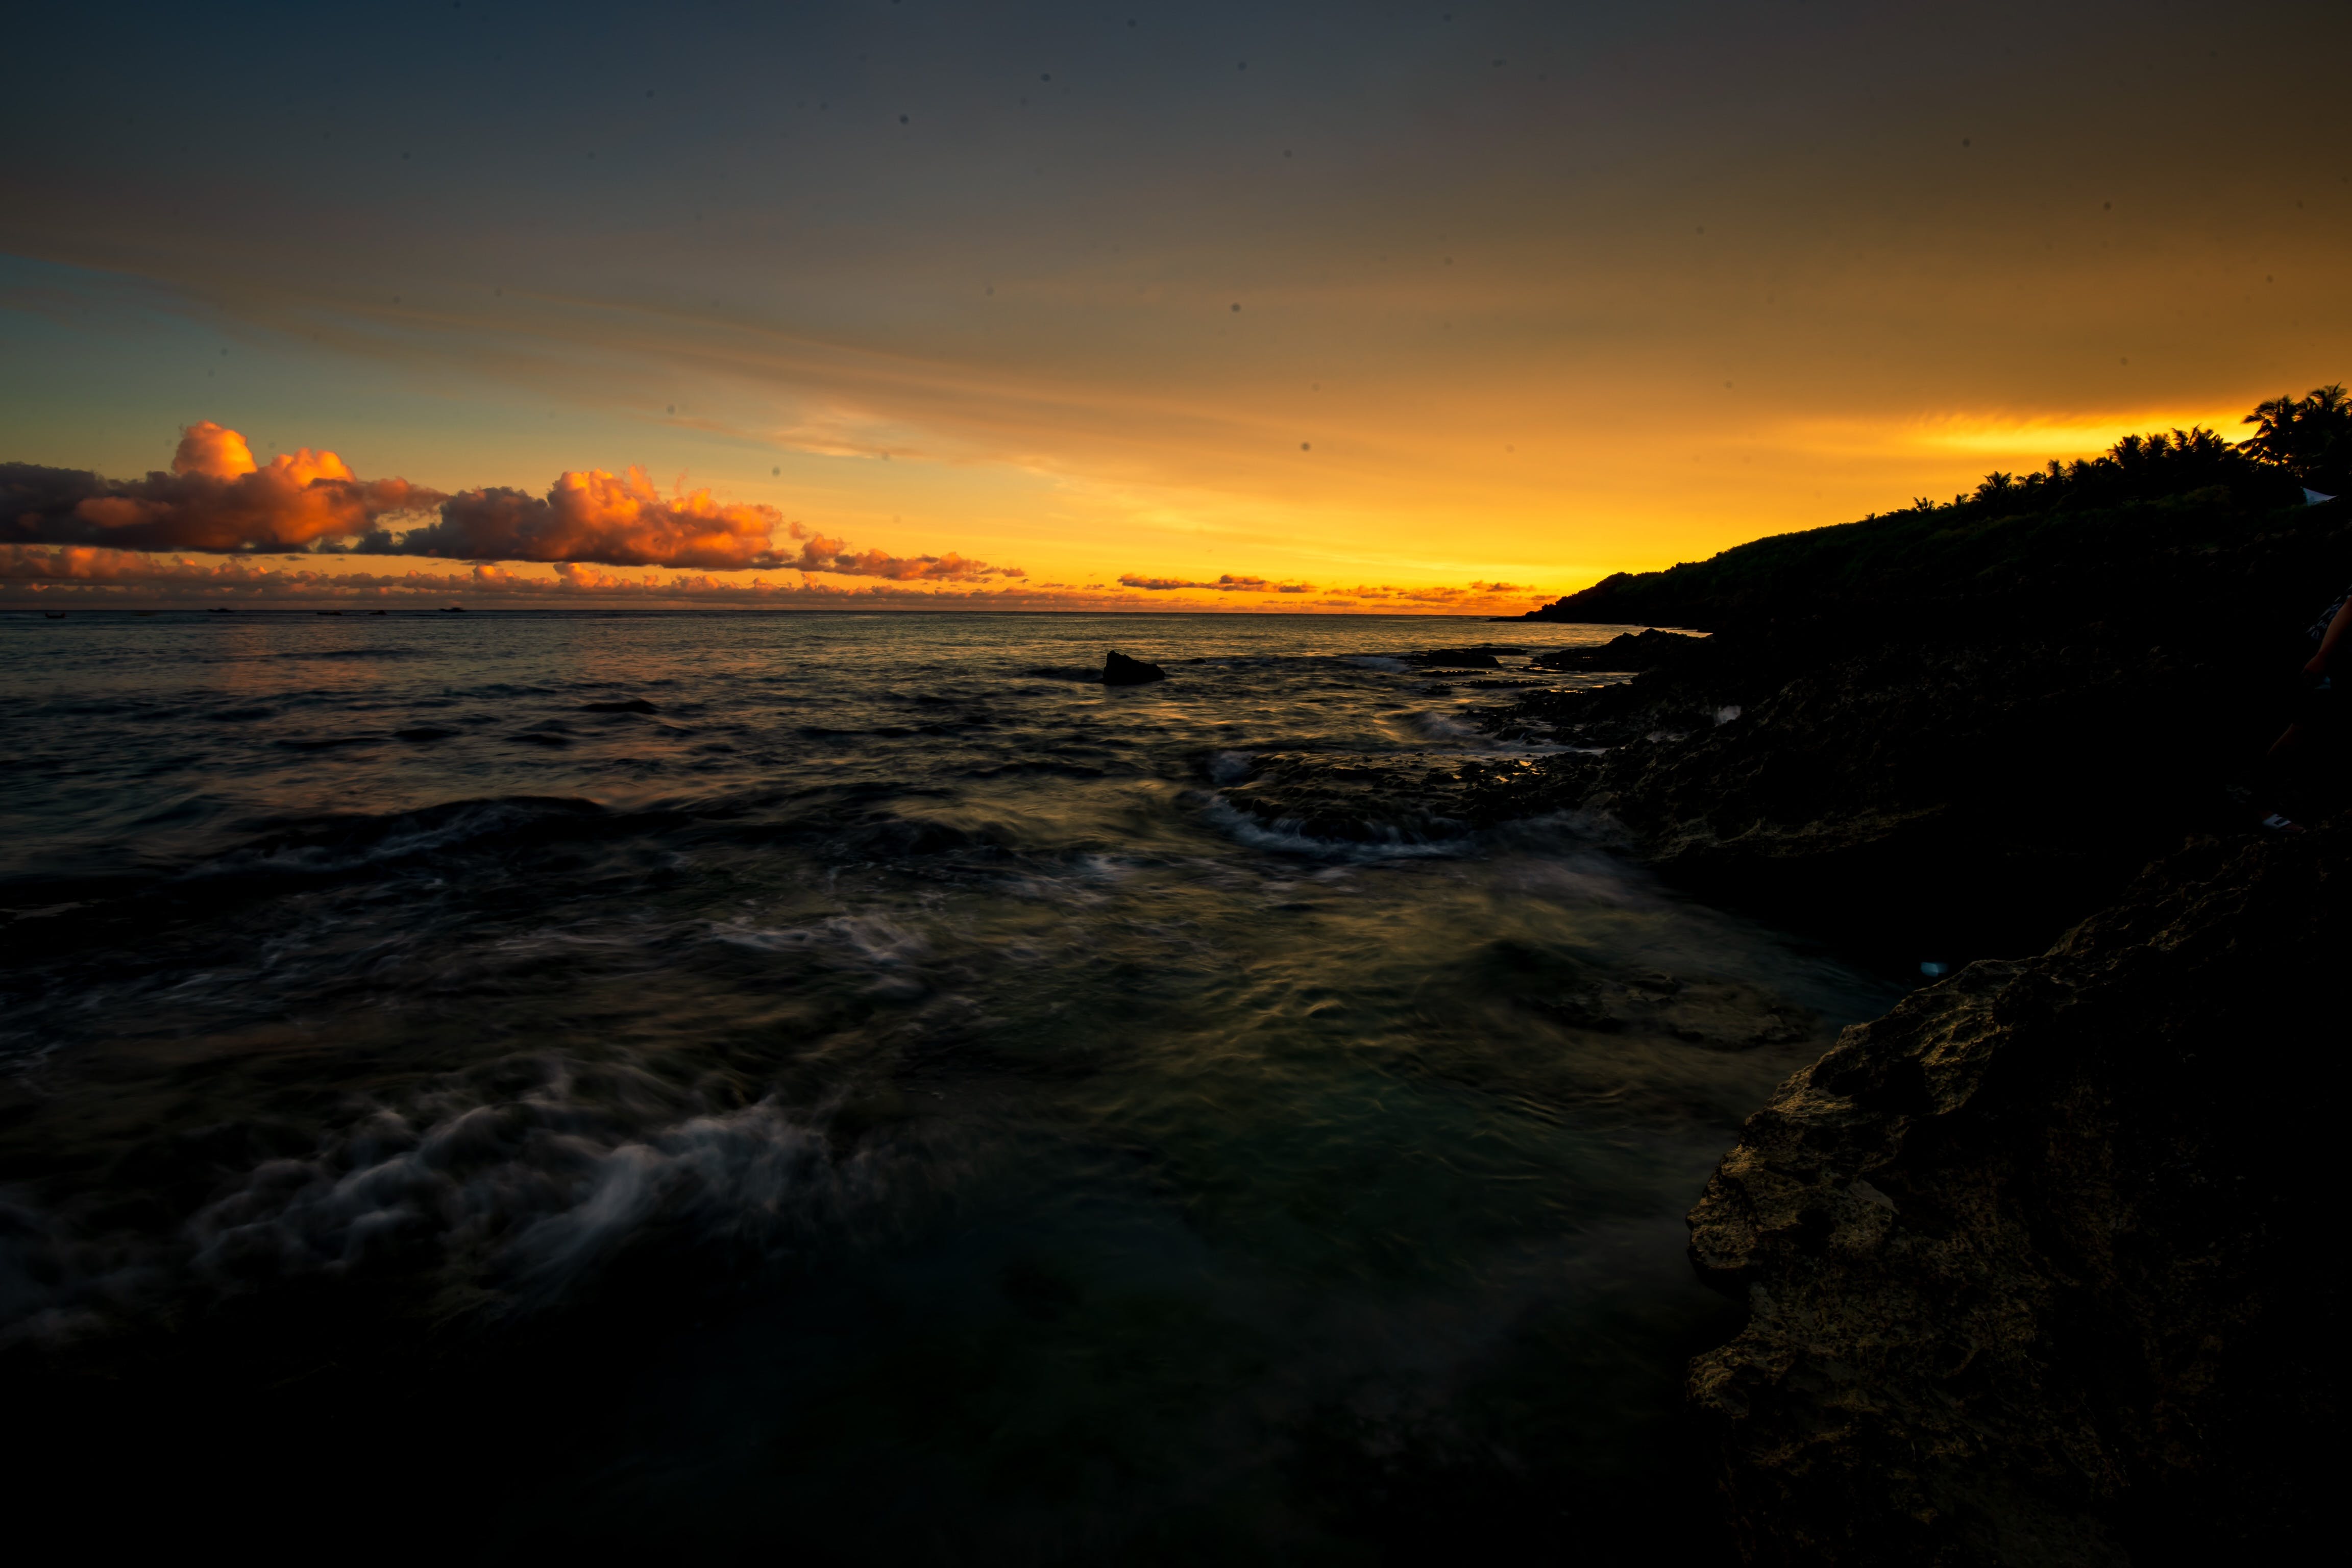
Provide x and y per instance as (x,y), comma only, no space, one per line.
(52,615)
(221,610)
(379,612)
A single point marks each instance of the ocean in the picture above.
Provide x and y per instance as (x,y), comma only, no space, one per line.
(844,1085)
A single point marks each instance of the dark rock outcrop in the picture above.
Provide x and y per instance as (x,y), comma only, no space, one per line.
(1963,776)
(1120,670)
(1482,657)
(1648,649)
(2035,1264)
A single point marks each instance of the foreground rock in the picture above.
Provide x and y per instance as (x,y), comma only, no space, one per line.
(2036,1264)
(1120,670)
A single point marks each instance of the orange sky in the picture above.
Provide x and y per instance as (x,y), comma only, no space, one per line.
(1525,295)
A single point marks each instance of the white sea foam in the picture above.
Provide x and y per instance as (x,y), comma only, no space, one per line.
(1229,767)
(1284,838)
(1446,727)
(525,1194)
(520,1197)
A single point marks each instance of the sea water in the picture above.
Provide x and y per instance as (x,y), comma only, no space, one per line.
(847,1086)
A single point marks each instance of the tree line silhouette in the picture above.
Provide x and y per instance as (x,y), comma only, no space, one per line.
(2132,519)
(2305,439)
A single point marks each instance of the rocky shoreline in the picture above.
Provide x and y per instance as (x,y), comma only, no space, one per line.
(2027,1261)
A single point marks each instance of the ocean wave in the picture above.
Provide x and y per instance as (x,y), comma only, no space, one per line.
(1228,767)
(335,846)
(509,1201)
(1446,727)
(1381,841)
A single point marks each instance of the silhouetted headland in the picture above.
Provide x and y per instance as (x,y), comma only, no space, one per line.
(2028,1263)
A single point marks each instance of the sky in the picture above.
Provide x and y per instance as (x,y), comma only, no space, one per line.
(1281,306)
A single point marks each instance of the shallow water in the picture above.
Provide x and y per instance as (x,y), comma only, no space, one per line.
(837,1082)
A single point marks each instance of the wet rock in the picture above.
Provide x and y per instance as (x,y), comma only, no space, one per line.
(1350,798)
(2032,1263)
(1461,658)
(1120,670)
(1721,1015)
(1648,649)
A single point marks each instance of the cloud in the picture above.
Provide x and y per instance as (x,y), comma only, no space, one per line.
(620,520)
(614,520)
(63,573)
(1225,583)
(72,532)
(216,498)
(1475,593)
(818,554)
(99,576)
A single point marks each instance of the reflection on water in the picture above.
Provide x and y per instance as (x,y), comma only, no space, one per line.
(840,1084)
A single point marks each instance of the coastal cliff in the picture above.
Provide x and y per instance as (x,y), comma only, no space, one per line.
(2029,1262)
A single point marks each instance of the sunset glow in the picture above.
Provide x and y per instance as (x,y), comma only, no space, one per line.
(903,303)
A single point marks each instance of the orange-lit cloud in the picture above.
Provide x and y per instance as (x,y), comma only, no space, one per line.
(61,572)
(616,520)
(1225,583)
(818,554)
(98,576)
(216,498)
(71,531)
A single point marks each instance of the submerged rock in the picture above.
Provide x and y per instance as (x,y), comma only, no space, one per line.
(1120,670)
(1461,658)
(2035,1264)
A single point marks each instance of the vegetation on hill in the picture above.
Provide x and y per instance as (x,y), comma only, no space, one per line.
(2065,530)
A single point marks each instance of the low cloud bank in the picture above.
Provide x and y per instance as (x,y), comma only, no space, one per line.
(1477,592)
(611,519)
(96,575)
(1225,583)
(818,554)
(55,574)
(68,532)
(218,500)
